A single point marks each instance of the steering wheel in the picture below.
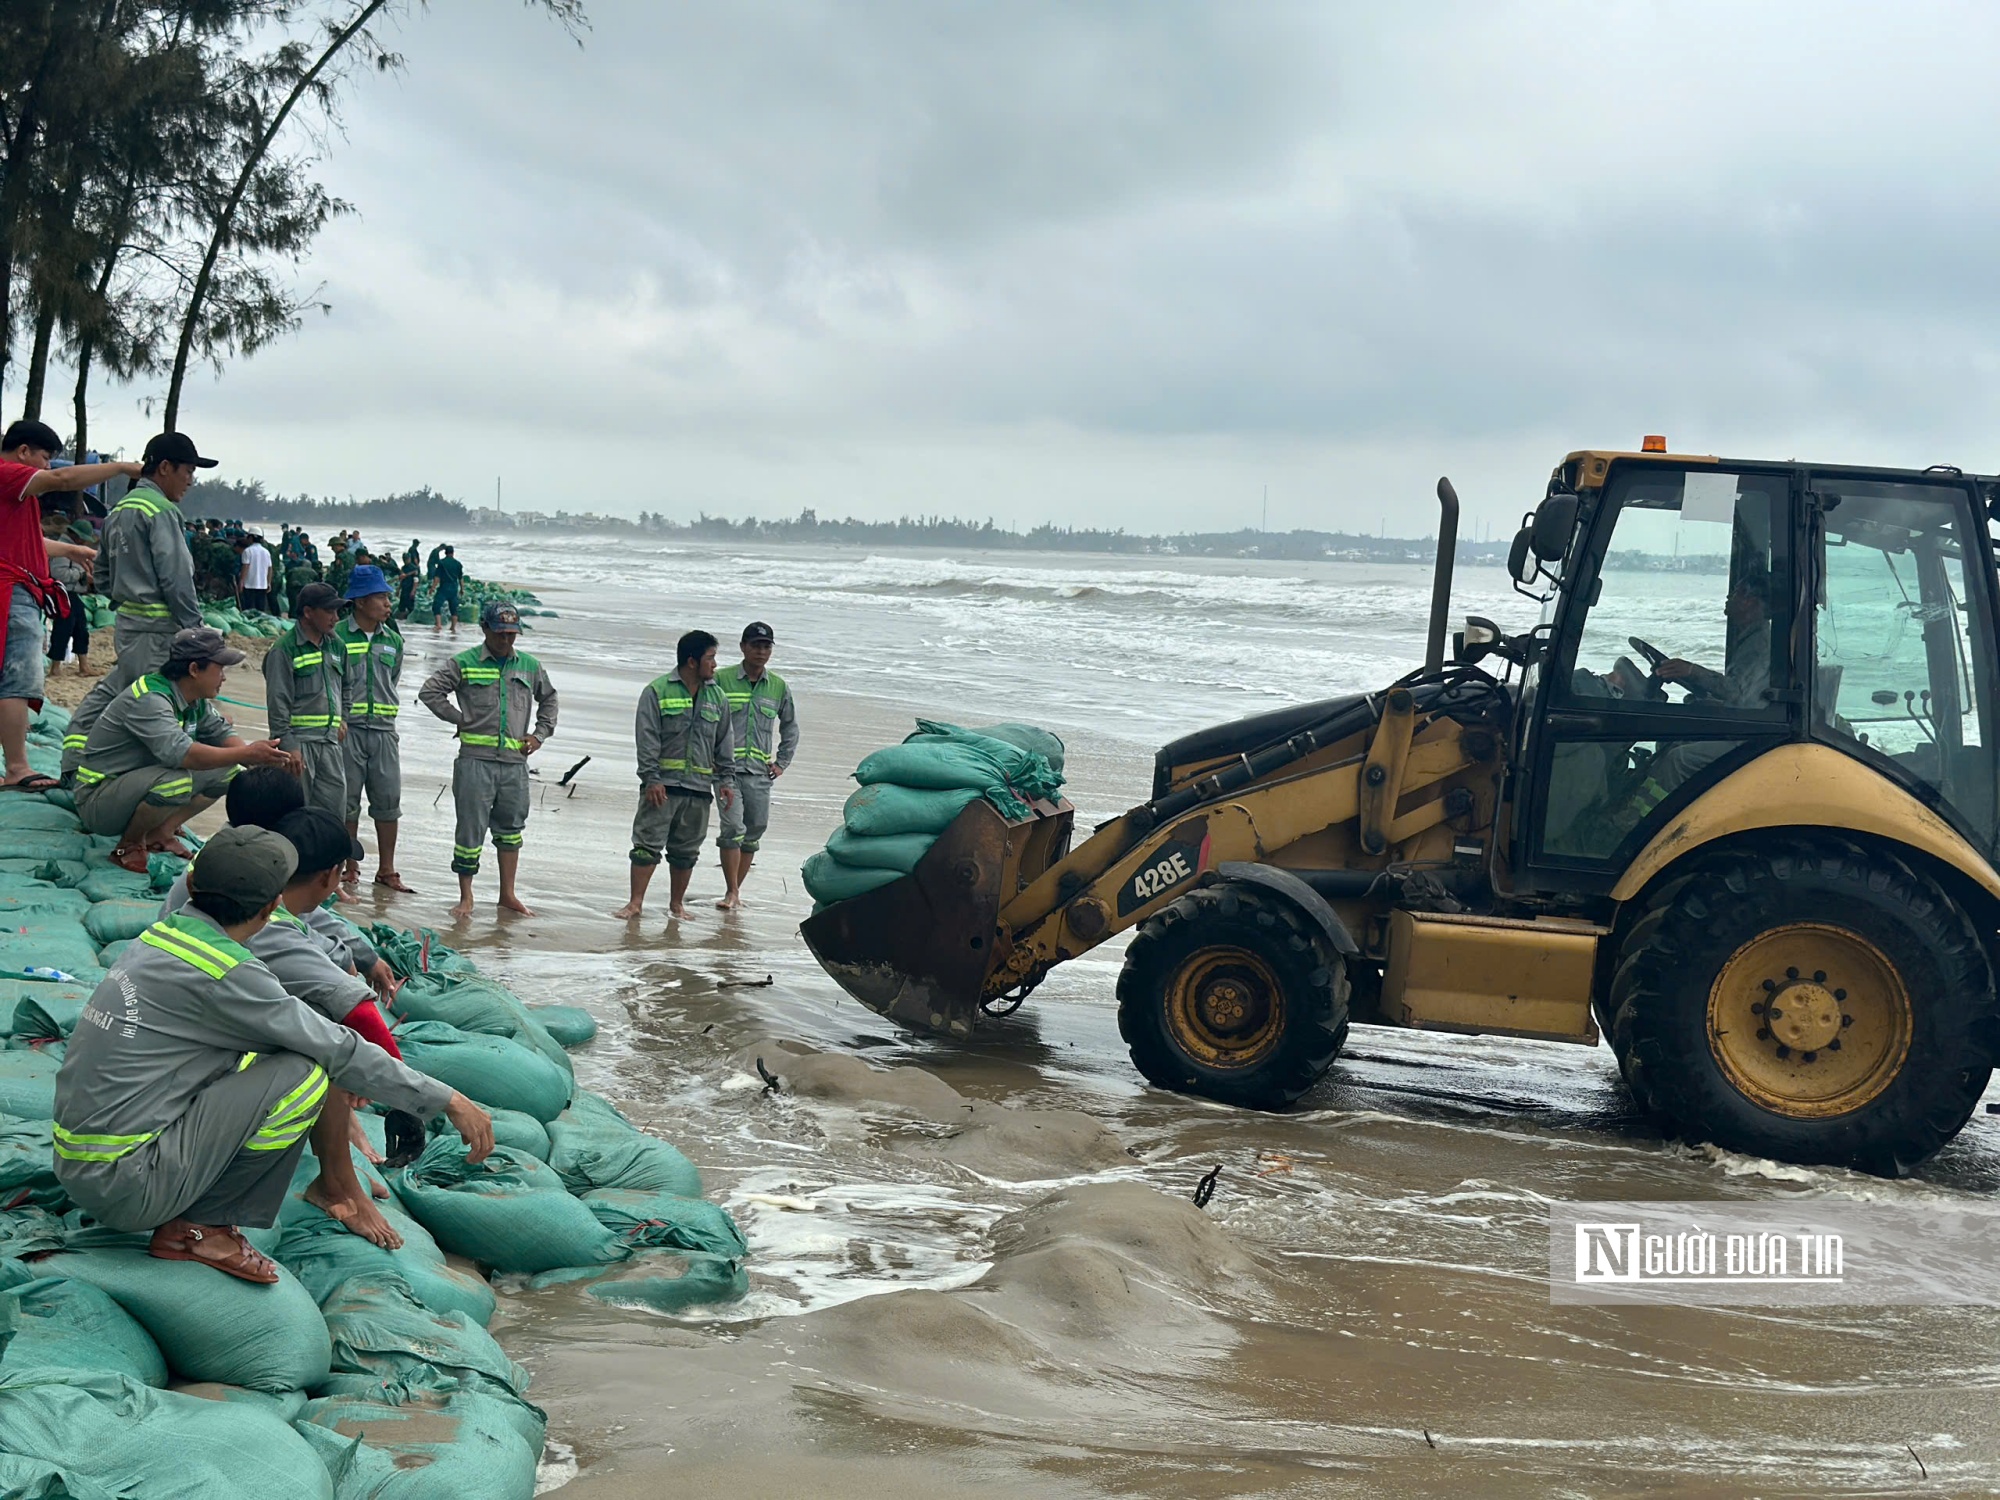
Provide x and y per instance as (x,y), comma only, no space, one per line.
(1653,654)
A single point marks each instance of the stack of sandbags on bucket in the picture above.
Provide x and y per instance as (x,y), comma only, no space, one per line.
(95,1332)
(593,1199)
(911,792)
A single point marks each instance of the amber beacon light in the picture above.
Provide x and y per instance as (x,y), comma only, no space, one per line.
(1653,444)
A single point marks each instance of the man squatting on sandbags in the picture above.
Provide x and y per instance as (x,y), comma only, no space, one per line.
(193,1079)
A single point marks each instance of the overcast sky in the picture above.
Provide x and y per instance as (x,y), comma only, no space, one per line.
(1130,263)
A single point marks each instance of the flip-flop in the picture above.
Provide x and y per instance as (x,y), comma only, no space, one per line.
(395,883)
(34,781)
(130,857)
(245,1261)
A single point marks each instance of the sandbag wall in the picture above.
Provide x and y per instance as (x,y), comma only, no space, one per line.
(364,1372)
(911,792)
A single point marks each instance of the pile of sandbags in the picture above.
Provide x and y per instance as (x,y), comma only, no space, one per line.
(364,1372)
(911,792)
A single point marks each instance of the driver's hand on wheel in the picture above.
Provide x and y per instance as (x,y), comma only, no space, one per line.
(1674,669)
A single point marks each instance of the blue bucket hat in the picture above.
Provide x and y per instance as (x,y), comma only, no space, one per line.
(365,580)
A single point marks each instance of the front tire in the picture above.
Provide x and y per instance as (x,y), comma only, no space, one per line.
(1230,993)
(1816,1002)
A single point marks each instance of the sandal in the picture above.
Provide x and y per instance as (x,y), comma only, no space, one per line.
(218,1246)
(34,781)
(394,882)
(173,848)
(130,857)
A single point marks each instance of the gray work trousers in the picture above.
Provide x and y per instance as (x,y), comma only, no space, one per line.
(487,794)
(142,648)
(374,766)
(747,814)
(325,771)
(107,807)
(228,1160)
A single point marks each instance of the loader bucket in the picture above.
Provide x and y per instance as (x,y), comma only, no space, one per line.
(920,949)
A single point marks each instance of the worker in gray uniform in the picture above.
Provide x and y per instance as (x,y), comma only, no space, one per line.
(148,573)
(372,671)
(161,753)
(682,734)
(193,1081)
(764,727)
(305,675)
(492,694)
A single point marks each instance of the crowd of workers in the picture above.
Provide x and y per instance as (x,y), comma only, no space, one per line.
(244,1024)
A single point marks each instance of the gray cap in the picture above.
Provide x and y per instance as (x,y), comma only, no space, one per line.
(202,644)
(248,864)
(499,616)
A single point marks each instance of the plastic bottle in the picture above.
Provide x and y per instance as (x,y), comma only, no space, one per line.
(55,976)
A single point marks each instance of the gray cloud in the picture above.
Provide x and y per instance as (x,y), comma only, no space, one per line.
(1141,259)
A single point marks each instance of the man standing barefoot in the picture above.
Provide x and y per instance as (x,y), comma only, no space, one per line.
(764,727)
(492,693)
(371,651)
(682,732)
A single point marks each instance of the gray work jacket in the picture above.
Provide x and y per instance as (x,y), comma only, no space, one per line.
(492,702)
(343,944)
(148,724)
(149,572)
(303,683)
(371,671)
(682,737)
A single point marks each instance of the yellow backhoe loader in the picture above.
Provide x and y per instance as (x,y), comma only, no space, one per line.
(1731,805)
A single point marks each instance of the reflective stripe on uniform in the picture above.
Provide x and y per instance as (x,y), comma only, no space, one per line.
(294,1115)
(73,1147)
(146,611)
(171,936)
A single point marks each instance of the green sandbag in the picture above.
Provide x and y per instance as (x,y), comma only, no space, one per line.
(462,1447)
(284,1405)
(47,1322)
(110,953)
(664,1221)
(481,1006)
(26,901)
(120,921)
(885,810)
(1028,737)
(661,1281)
(512,1129)
(58,872)
(40,844)
(828,881)
(41,1009)
(27,1166)
(942,756)
(898,852)
(380,1330)
(101,1435)
(28,1083)
(324,1257)
(509,1212)
(114,884)
(405,952)
(592,1145)
(61,945)
(493,1070)
(209,1326)
(21,813)
(570,1025)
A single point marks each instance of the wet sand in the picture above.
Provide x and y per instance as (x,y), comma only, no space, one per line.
(976,1269)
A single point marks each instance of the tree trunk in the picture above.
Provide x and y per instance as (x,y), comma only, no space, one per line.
(38,363)
(79,441)
(226,220)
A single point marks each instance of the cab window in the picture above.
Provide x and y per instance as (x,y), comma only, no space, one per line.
(1903,653)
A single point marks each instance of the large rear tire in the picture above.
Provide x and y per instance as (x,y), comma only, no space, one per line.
(1230,993)
(1817,1002)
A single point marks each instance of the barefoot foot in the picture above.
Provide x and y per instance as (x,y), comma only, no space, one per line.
(517,905)
(462,910)
(356,1215)
(729,903)
(678,912)
(629,910)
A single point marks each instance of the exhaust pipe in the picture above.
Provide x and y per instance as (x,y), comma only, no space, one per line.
(1447,555)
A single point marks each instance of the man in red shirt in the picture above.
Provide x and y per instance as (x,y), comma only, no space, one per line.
(25,451)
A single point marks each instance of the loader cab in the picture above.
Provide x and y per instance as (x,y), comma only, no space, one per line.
(1701,612)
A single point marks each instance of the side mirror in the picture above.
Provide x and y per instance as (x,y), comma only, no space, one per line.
(1554,525)
(1480,638)
(1517,556)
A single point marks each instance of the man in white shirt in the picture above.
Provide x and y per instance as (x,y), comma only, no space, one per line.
(253,583)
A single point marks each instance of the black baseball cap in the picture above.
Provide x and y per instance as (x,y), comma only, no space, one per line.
(319,596)
(176,448)
(201,644)
(757,630)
